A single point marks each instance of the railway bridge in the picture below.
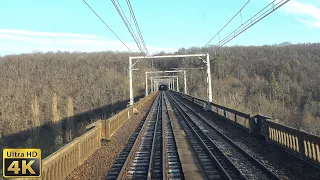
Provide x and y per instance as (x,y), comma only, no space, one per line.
(174,136)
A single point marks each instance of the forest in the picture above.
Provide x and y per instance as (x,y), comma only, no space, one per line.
(89,80)
(281,81)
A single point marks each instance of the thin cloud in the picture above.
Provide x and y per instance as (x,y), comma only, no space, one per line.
(47,34)
(307,13)
(20,41)
(21,38)
(310,24)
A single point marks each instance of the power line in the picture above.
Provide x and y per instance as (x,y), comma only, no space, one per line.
(107,25)
(264,12)
(137,26)
(125,20)
(252,21)
(227,23)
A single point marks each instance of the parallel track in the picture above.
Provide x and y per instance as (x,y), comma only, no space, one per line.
(140,160)
(214,164)
(249,167)
(133,161)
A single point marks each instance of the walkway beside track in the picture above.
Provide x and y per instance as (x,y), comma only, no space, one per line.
(190,165)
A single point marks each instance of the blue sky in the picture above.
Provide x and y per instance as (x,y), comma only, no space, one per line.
(166,25)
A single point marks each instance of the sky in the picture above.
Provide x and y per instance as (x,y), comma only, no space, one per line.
(166,25)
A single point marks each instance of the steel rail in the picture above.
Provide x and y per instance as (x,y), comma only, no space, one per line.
(164,146)
(154,137)
(172,165)
(123,169)
(222,170)
(271,174)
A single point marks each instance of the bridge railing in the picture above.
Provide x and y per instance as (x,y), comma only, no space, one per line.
(297,142)
(300,143)
(61,163)
(111,125)
(240,118)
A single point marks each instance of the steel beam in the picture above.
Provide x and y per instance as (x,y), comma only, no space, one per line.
(185,82)
(170,80)
(178,84)
(209,79)
(146,94)
(168,56)
(157,72)
(130,77)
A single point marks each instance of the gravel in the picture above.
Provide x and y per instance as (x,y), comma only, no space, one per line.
(103,158)
(241,162)
(277,160)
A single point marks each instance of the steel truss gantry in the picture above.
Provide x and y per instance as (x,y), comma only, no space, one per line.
(173,71)
(207,62)
(155,80)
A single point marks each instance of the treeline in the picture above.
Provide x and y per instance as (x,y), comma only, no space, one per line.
(282,81)
(91,80)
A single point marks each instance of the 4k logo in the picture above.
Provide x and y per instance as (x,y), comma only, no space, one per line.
(21,163)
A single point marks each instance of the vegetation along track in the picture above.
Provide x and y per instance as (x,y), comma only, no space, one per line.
(150,153)
(231,161)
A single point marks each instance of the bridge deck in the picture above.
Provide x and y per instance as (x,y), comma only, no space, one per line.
(278,160)
(208,145)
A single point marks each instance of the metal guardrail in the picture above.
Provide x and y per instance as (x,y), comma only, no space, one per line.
(237,117)
(302,144)
(61,163)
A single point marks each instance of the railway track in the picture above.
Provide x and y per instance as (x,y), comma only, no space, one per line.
(150,152)
(132,155)
(230,156)
(214,164)
(172,161)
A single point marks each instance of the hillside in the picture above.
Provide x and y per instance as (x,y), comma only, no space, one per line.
(281,81)
(91,80)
